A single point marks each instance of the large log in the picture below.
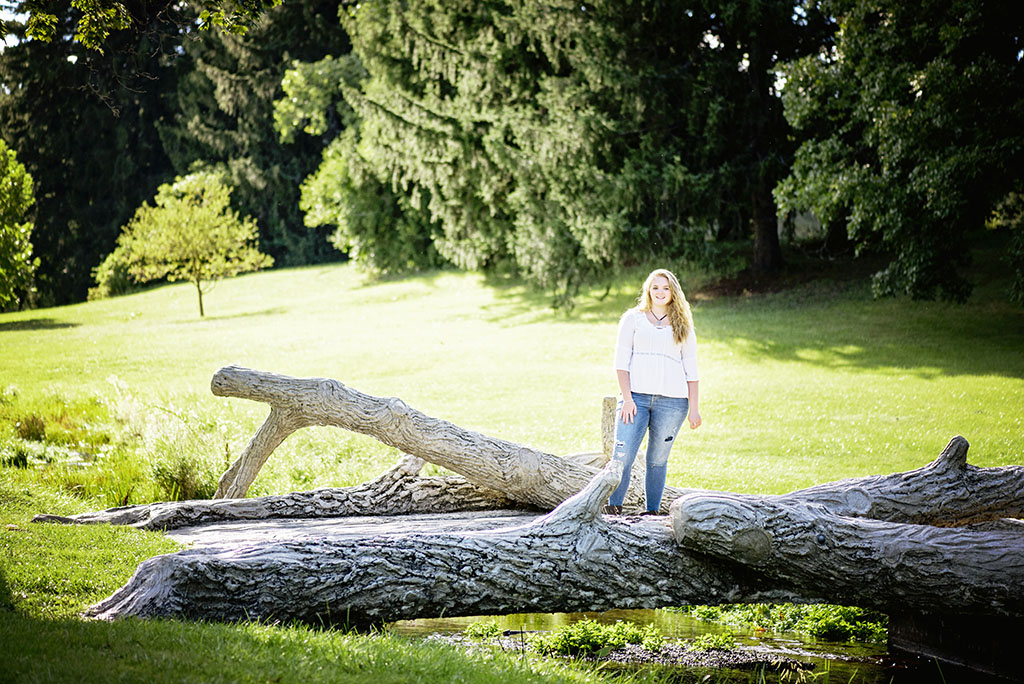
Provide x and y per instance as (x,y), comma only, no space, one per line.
(572,559)
(943,538)
(532,477)
(870,563)
(399,491)
(521,473)
(718,548)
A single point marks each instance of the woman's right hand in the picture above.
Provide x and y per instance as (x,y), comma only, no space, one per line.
(628,410)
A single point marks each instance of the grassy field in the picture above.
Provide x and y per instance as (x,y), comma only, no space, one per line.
(108,402)
(812,384)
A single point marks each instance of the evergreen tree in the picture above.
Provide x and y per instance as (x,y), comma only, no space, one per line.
(84,125)
(574,137)
(225,119)
(913,133)
(375,226)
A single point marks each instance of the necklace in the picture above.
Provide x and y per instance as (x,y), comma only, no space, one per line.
(659,319)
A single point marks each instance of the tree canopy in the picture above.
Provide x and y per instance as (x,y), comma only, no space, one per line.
(191,234)
(559,140)
(16,261)
(913,132)
(565,139)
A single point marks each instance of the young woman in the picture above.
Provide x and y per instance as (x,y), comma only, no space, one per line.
(656,363)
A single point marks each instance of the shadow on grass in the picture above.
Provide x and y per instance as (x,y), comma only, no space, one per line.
(827,322)
(517,303)
(36,324)
(273,311)
(926,339)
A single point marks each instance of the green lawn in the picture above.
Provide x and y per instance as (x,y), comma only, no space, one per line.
(813,384)
(108,402)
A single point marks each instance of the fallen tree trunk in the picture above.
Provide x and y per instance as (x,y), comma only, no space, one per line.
(570,560)
(523,474)
(543,480)
(870,563)
(879,542)
(719,548)
(399,491)
(946,492)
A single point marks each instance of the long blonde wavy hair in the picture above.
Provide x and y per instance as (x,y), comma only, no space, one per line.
(678,309)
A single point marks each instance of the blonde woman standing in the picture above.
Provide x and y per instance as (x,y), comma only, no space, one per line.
(656,364)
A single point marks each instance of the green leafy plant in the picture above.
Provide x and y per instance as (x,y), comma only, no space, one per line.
(713,642)
(822,621)
(481,631)
(587,637)
(16,262)
(113,276)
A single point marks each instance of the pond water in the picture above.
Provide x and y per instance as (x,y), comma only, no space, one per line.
(833,661)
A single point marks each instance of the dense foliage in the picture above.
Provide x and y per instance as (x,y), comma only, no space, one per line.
(192,234)
(16,262)
(572,139)
(224,119)
(84,124)
(587,637)
(822,621)
(376,225)
(562,141)
(913,132)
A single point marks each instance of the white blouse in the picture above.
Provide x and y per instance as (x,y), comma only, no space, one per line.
(656,364)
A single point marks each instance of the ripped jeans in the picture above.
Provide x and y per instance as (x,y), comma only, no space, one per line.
(662,416)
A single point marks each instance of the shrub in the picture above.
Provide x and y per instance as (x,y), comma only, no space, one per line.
(713,642)
(588,637)
(480,631)
(112,276)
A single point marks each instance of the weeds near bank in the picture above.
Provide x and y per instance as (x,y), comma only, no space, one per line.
(587,638)
(713,642)
(482,631)
(822,621)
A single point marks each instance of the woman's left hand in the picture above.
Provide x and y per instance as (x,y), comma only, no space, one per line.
(695,420)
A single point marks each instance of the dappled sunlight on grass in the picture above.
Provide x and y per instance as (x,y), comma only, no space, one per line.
(797,387)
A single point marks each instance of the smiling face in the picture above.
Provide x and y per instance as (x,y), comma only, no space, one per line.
(660,292)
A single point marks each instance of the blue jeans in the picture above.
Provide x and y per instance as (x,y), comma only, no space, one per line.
(662,417)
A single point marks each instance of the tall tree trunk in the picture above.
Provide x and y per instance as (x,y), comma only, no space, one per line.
(767,249)
(765,145)
(199,291)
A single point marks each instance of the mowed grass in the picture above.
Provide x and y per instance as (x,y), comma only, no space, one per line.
(811,384)
(815,383)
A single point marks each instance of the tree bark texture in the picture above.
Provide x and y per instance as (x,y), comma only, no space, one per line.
(947,492)
(715,548)
(400,491)
(523,474)
(916,541)
(572,559)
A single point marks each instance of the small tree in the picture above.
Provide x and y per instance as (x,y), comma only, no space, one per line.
(16,262)
(191,234)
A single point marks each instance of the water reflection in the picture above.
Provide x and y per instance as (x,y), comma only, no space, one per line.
(838,661)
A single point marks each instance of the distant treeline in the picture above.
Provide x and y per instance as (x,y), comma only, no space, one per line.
(560,140)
